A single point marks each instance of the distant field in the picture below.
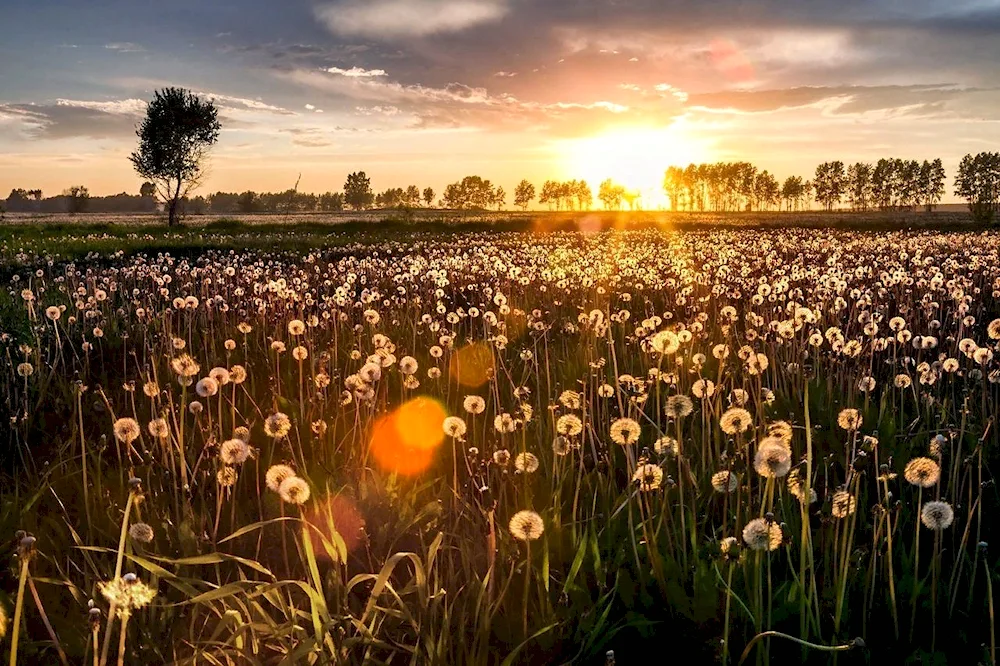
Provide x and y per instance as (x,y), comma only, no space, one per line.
(24,239)
(950,214)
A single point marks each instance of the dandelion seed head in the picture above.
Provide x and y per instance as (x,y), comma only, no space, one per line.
(294,490)
(761,534)
(937,515)
(526,525)
(923,472)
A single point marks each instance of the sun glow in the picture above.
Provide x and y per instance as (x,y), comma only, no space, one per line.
(635,158)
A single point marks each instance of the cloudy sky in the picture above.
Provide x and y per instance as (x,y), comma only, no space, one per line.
(427,91)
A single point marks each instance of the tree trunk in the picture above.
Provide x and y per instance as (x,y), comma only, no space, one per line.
(172,214)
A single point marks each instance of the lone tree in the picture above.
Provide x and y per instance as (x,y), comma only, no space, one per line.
(358,191)
(174,139)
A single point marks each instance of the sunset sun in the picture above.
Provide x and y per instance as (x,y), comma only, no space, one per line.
(633,157)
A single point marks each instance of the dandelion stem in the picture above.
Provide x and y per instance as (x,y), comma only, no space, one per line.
(18,609)
(857,642)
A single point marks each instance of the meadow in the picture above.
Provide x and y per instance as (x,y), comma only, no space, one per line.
(506,443)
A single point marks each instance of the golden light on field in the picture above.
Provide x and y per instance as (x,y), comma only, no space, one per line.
(635,158)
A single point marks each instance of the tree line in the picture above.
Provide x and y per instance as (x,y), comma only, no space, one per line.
(891,184)
(179,129)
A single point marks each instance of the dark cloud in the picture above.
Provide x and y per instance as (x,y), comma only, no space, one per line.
(65,121)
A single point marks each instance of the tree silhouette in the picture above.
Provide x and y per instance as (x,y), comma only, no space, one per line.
(932,181)
(550,194)
(358,191)
(428,196)
(978,182)
(78,198)
(411,198)
(611,195)
(523,194)
(174,139)
(673,186)
(499,198)
(829,183)
(584,196)
(859,186)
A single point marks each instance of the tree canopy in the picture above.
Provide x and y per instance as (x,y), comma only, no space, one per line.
(174,139)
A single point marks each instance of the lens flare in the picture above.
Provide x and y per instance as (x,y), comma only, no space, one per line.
(404,440)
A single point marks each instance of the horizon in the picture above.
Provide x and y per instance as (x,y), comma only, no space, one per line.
(428,91)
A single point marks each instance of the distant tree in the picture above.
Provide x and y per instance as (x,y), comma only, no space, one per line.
(174,139)
(611,195)
(77,199)
(932,183)
(791,192)
(147,190)
(673,186)
(830,183)
(35,194)
(767,193)
(523,194)
(859,186)
(428,196)
(331,201)
(472,192)
(358,191)
(411,197)
(223,202)
(390,198)
(550,194)
(910,184)
(584,195)
(248,202)
(884,184)
(978,182)
(499,197)
(196,206)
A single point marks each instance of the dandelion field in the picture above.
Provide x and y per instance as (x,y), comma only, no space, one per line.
(501,448)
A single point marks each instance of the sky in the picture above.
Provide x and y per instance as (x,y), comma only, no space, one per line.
(425,92)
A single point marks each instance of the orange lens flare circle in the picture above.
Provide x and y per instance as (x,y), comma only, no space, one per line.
(404,440)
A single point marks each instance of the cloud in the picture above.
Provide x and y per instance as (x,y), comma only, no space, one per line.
(308,137)
(357,72)
(505,75)
(67,119)
(461,106)
(124,47)
(242,104)
(939,100)
(116,119)
(386,19)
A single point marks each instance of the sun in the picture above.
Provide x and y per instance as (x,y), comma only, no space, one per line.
(634,157)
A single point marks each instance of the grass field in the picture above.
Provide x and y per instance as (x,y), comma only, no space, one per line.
(520,440)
